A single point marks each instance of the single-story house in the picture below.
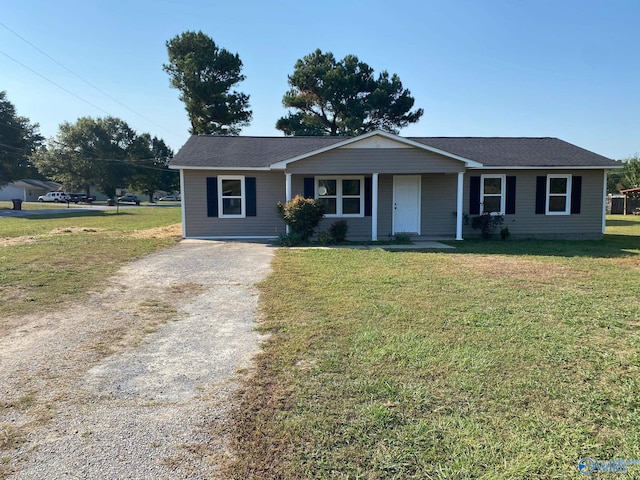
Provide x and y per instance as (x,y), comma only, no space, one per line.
(27,190)
(384,184)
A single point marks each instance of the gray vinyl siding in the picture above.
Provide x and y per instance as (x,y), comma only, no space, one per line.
(385,206)
(438,205)
(270,189)
(439,193)
(356,161)
(359,227)
(527,224)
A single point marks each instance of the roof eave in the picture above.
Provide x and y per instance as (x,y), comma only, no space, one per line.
(189,167)
(545,167)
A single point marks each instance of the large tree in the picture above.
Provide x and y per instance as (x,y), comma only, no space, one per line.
(331,97)
(628,177)
(18,140)
(103,152)
(205,74)
(151,171)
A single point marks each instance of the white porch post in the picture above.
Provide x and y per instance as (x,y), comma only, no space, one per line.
(604,203)
(183,206)
(459,202)
(374,207)
(288,187)
(287,193)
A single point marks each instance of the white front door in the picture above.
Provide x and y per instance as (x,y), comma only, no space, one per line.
(406,204)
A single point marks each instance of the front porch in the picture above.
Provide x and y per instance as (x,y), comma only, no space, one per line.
(377,206)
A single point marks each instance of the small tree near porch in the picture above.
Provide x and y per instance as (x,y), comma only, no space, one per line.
(302,215)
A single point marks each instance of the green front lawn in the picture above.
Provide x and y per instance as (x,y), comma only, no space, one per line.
(49,260)
(495,360)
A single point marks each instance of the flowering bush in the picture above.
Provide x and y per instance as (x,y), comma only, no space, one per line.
(302,215)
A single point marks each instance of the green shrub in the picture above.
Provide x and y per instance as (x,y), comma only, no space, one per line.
(290,239)
(324,238)
(302,215)
(504,233)
(402,239)
(486,223)
(338,231)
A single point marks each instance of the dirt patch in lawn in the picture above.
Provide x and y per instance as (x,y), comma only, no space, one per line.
(66,230)
(631,262)
(8,242)
(171,231)
(496,266)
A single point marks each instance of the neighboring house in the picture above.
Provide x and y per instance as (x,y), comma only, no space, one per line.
(384,184)
(27,190)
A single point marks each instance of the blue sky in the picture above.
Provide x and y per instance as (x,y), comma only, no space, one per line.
(561,68)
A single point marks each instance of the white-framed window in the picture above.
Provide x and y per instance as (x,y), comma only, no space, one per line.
(342,196)
(231,196)
(493,194)
(558,194)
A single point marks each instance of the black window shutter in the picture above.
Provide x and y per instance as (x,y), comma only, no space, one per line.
(541,194)
(576,194)
(212,196)
(474,195)
(510,201)
(309,187)
(250,196)
(367,197)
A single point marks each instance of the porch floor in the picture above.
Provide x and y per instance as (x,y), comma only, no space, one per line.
(416,245)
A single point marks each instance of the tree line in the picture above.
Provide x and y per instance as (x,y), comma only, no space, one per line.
(103,153)
(327,96)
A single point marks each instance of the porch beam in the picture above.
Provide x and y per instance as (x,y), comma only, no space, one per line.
(459,202)
(374,207)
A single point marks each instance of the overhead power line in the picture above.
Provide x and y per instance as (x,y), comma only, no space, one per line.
(80,78)
(54,83)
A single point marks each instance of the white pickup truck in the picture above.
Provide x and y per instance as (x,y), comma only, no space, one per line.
(56,197)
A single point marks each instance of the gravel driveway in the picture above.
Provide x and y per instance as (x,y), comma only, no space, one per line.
(134,383)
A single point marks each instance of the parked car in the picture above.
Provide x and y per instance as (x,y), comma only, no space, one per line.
(172,197)
(56,197)
(81,197)
(129,199)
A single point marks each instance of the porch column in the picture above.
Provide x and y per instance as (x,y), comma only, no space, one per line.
(288,187)
(459,207)
(604,203)
(374,207)
(183,205)
(287,194)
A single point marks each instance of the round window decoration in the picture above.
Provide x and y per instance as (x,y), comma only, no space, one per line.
(322,190)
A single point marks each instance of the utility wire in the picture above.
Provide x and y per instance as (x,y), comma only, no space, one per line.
(83,79)
(54,83)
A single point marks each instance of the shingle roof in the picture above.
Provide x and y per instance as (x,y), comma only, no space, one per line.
(246,152)
(27,183)
(518,151)
(211,151)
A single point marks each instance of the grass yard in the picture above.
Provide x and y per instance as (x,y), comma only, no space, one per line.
(495,360)
(48,260)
